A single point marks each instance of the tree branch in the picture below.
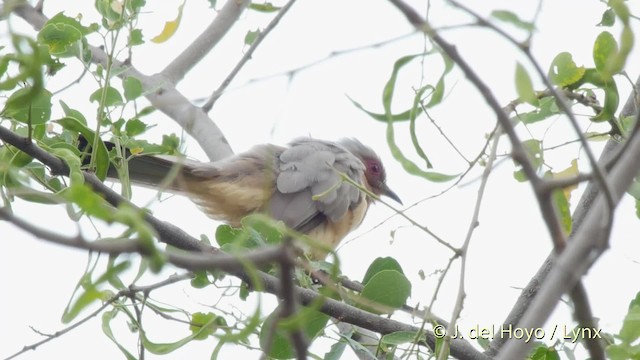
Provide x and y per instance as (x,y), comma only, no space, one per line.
(246,57)
(203,44)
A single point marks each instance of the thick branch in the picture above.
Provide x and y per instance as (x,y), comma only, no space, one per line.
(204,43)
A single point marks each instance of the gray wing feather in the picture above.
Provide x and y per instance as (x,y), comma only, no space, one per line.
(310,168)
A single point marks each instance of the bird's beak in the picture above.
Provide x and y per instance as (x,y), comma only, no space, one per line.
(386,191)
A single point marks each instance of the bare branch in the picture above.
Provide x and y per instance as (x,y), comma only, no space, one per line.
(465,246)
(246,57)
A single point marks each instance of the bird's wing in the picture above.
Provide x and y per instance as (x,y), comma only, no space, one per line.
(309,187)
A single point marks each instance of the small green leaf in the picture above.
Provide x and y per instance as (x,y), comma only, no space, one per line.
(101,154)
(271,232)
(72,113)
(265,8)
(135,127)
(399,338)
(251,36)
(89,201)
(132,88)
(534,152)
(203,325)
(281,346)
(403,116)
(513,19)
(107,316)
(63,35)
(630,331)
(524,86)
(380,264)
(112,96)
(388,290)
(225,234)
(336,351)
(604,49)
(201,280)
(564,71)
(547,107)
(611,102)
(544,352)
(608,18)
(563,209)
(135,38)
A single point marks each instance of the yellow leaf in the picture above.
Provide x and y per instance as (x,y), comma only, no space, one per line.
(170,27)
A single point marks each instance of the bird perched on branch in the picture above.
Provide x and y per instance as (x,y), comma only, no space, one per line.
(301,185)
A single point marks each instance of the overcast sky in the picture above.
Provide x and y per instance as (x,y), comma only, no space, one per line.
(508,246)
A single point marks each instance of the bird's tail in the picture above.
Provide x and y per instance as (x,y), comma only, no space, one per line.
(154,171)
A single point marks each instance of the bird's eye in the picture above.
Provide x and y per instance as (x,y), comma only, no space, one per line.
(375,168)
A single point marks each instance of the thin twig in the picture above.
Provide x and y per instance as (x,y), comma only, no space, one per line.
(473,224)
(246,57)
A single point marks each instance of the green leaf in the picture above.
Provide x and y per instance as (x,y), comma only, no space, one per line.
(608,18)
(107,317)
(101,154)
(72,113)
(399,338)
(281,346)
(270,232)
(112,96)
(524,86)
(388,289)
(630,331)
(381,264)
(251,36)
(135,127)
(335,351)
(29,105)
(534,152)
(513,19)
(203,325)
(91,292)
(604,49)
(547,107)
(201,280)
(225,234)
(563,209)
(611,102)
(412,125)
(89,201)
(63,35)
(135,37)
(265,8)
(132,88)
(403,116)
(544,352)
(387,97)
(564,71)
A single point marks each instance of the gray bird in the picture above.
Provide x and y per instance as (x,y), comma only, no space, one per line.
(299,184)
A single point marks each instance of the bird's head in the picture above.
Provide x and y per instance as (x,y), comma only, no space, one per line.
(374,169)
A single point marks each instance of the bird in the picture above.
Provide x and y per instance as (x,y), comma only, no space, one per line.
(301,185)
